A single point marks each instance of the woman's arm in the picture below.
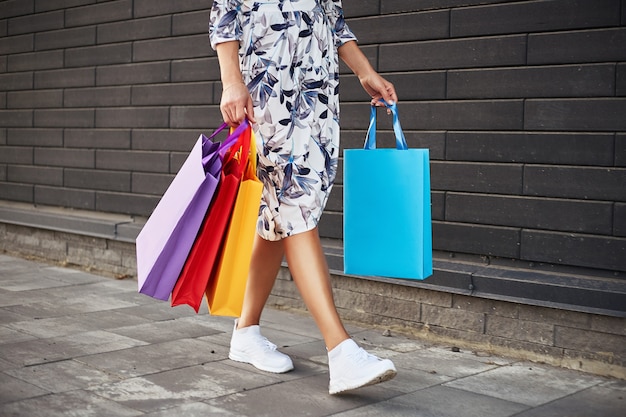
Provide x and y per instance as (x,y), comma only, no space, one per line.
(236,103)
(375,85)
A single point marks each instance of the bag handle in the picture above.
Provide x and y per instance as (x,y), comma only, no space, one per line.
(370,139)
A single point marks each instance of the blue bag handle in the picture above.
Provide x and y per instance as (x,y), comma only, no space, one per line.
(370,139)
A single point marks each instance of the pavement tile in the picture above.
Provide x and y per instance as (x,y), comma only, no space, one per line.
(62,376)
(193,409)
(605,400)
(10,335)
(197,383)
(159,357)
(534,384)
(14,389)
(165,330)
(72,403)
(303,397)
(60,348)
(439,401)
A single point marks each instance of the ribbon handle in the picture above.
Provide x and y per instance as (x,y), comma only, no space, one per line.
(370,139)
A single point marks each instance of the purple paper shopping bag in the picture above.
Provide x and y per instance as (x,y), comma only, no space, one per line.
(167,237)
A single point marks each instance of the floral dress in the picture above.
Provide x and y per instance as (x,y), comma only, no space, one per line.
(288,58)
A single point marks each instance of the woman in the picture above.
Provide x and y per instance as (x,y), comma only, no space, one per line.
(279,68)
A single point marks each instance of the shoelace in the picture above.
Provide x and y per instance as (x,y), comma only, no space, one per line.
(266,344)
(361,356)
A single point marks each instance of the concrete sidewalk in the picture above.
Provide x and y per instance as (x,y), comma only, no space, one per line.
(74,343)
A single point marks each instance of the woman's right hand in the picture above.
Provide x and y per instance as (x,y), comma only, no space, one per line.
(236,104)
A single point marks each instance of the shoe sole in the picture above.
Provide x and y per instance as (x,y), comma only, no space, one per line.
(343,387)
(244,359)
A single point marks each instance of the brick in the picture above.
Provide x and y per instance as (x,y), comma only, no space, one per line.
(35,137)
(378,305)
(190,23)
(16,118)
(559,81)
(161,7)
(619,225)
(97,138)
(620,89)
(602,45)
(331,225)
(201,69)
(3,63)
(16,155)
(132,161)
(35,175)
(35,61)
(172,94)
(97,97)
(533,213)
(17,44)
(606,324)
(16,81)
(65,197)
(590,341)
(154,184)
(62,157)
(34,99)
(65,38)
(620,150)
(64,118)
(533,17)
(532,147)
(129,74)
(438,205)
(370,52)
(12,8)
(453,53)
(362,8)
(99,13)
(476,239)
(64,78)
(125,203)
(516,329)
(556,316)
(452,318)
(443,115)
(486,306)
(189,117)
(165,139)
(3,173)
(46,5)
(575,182)
(97,180)
(408,27)
(395,6)
(36,23)
(16,192)
(118,53)
(574,249)
(132,117)
(136,29)
(475,177)
(180,47)
(599,114)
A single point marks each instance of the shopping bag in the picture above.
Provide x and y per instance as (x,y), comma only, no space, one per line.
(165,240)
(228,282)
(387,215)
(204,255)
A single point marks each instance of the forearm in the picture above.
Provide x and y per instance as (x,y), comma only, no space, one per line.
(228,57)
(354,58)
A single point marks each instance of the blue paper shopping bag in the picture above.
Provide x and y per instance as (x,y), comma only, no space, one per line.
(387,216)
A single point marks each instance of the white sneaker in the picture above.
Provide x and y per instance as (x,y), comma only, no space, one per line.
(249,346)
(351,367)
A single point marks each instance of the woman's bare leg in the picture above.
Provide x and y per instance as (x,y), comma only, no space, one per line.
(264,266)
(309,269)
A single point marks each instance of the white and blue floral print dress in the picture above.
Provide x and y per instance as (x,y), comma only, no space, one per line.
(288,58)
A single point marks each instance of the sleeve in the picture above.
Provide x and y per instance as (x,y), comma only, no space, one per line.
(225,21)
(334,13)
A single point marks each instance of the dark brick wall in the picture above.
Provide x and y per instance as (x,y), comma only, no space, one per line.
(521,103)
